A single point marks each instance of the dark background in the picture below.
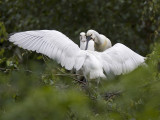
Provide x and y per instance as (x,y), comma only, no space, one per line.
(132,23)
(34,87)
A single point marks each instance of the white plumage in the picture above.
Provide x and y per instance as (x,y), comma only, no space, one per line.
(101,42)
(116,60)
(83,42)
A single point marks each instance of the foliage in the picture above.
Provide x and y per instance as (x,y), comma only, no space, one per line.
(35,87)
(133,23)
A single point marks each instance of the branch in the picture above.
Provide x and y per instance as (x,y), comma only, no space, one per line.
(67,75)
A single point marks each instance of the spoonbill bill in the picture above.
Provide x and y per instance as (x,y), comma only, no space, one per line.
(116,60)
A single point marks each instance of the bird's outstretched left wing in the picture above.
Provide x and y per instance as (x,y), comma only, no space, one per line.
(52,43)
(120,59)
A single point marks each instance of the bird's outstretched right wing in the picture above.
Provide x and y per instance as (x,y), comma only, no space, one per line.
(53,44)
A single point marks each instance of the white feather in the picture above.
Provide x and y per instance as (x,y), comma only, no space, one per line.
(50,43)
(119,59)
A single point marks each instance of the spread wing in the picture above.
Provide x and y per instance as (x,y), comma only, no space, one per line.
(120,59)
(53,44)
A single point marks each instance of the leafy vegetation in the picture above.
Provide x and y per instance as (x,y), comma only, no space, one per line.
(33,87)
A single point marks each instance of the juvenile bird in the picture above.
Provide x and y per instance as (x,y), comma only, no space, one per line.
(101,42)
(83,42)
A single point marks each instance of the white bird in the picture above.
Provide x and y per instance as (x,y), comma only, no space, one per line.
(83,42)
(116,60)
(101,42)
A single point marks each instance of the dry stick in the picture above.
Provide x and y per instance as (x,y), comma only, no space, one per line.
(112,94)
(69,74)
(31,71)
(16,70)
(44,58)
(73,75)
(2,69)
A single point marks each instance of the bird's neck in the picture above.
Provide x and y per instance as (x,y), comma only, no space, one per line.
(103,43)
(100,47)
(82,45)
(99,40)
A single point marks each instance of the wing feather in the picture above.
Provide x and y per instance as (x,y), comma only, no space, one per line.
(120,59)
(52,43)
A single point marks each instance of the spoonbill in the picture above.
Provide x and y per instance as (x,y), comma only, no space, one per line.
(101,42)
(83,41)
(116,60)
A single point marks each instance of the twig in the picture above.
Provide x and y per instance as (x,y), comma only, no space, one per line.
(70,73)
(67,75)
(43,56)
(72,76)
(110,95)
(4,69)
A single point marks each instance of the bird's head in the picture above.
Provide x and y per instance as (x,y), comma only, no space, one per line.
(91,35)
(82,37)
